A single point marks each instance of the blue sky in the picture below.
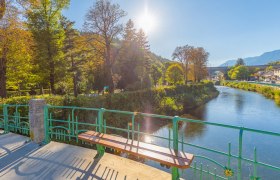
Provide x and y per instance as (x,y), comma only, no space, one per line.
(227,29)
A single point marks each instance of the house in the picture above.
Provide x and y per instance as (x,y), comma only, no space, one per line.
(277,73)
(268,76)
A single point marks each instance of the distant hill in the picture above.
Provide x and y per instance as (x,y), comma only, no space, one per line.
(263,59)
(159,58)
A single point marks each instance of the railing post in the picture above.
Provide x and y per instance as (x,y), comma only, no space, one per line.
(6,119)
(175,171)
(46,122)
(37,120)
(100,149)
(239,175)
(100,120)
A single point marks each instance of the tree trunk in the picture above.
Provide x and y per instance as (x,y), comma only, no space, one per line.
(109,68)
(75,83)
(51,64)
(3,72)
(186,73)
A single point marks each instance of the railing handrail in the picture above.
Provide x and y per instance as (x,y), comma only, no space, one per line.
(171,117)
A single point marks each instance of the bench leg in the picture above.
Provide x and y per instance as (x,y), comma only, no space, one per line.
(100,150)
(175,173)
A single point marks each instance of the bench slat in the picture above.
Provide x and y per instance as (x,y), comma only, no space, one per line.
(153,152)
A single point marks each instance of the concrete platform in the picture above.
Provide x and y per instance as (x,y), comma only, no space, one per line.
(20,159)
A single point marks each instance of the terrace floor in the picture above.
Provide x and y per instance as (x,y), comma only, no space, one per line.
(22,159)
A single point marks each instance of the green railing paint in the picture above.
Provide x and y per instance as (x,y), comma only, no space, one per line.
(64,123)
(15,119)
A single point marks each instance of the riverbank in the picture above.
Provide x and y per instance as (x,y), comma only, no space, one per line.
(267,91)
(169,100)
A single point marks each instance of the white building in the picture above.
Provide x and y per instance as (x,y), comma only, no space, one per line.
(277,72)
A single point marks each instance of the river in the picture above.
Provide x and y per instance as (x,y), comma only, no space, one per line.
(233,107)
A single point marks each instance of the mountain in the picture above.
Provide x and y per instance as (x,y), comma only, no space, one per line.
(263,59)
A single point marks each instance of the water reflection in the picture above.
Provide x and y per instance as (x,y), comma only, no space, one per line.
(235,107)
(192,130)
(239,102)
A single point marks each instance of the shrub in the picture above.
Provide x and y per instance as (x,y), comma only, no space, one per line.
(267,91)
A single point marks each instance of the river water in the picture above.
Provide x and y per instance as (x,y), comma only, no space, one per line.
(233,107)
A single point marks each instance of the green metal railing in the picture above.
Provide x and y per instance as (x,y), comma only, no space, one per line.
(15,119)
(68,129)
(64,123)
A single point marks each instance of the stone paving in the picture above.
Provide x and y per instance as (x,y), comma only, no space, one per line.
(22,159)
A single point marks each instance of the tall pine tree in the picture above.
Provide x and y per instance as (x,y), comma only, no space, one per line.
(44,23)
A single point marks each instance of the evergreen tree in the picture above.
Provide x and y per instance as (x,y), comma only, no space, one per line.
(128,56)
(240,62)
(74,49)
(44,23)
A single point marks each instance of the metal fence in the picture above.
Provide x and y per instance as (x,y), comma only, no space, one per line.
(65,123)
(15,118)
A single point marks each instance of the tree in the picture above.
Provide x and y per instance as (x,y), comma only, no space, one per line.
(269,68)
(15,51)
(182,54)
(175,74)
(75,51)
(127,60)
(156,74)
(198,60)
(103,19)
(44,23)
(240,62)
(144,61)
(2,8)
(239,73)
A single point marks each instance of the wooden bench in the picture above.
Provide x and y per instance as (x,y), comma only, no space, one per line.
(162,155)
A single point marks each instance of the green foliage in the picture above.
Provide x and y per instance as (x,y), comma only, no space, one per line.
(175,74)
(267,91)
(44,23)
(274,63)
(239,72)
(166,100)
(156,74)
(169,105)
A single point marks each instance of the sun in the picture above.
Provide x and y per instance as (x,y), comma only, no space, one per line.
(147,22)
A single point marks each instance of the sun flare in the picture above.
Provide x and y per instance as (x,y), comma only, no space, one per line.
(147,22)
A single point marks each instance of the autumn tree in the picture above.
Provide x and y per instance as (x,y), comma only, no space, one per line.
(175,74)
(93,68)
(103,19)
(182,54)
(2,8)
(198,60)
(15,51)
(44,23)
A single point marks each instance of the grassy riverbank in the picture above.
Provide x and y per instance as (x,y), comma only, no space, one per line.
(267,91)
(169,100)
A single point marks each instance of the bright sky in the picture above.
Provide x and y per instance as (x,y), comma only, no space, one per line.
(227,29)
